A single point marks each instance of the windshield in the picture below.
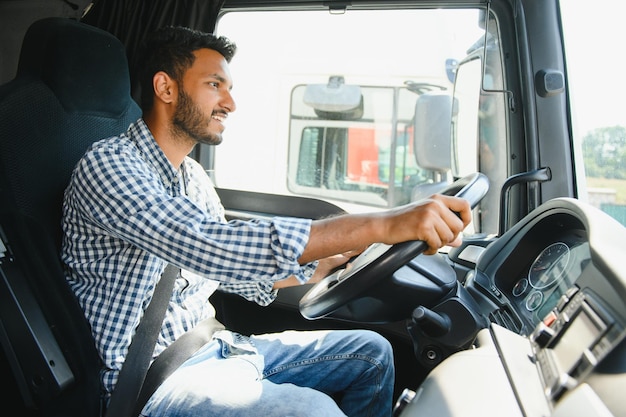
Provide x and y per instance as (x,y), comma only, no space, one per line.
(384,142)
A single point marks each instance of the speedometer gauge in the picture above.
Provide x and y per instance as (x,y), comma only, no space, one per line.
(549,266)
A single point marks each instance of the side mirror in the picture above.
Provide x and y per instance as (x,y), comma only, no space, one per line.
(465,118)
(451,66)
(335,100)
(433,112)
(432,142)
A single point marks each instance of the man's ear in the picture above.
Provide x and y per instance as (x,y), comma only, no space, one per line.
(164,87)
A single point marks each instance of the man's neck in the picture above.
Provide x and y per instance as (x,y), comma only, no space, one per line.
(175,148)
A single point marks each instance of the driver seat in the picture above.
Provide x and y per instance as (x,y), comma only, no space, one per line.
(72,87)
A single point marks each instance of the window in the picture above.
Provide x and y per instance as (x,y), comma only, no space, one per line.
(592,36)
(360,154)
(364,113)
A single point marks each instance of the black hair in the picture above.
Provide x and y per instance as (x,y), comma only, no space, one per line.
(170,49)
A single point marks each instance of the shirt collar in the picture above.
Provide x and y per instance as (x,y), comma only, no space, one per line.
(153,154)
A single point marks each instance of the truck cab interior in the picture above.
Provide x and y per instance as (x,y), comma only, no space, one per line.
(526,318)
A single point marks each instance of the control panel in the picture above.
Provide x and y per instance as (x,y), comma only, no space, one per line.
(571,340)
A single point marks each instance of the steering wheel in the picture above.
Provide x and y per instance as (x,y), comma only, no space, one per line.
(379,260)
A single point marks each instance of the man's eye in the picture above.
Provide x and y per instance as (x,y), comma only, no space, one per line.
(214,84)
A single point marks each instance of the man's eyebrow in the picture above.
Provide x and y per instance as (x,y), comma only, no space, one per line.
(218,77)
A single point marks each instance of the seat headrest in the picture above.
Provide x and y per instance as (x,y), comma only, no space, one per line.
(79,63)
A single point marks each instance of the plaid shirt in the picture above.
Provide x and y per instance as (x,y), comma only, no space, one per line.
(127,212)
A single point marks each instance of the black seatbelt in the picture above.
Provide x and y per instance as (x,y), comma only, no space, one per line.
(137,362)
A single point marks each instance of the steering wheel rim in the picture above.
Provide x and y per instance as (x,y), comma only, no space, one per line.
(379,261)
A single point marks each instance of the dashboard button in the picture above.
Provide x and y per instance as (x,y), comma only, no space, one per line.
(549,319)
(542,335)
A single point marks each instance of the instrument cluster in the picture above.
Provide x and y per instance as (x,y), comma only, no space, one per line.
(550,274)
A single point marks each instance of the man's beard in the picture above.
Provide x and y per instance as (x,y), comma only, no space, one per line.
(190,121)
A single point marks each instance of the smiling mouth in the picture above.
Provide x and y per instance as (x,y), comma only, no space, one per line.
(220,117)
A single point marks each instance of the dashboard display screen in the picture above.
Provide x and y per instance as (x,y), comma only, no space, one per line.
(581,334)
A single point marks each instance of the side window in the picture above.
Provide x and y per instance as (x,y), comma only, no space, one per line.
(597,89)
(322,160)
(311,156)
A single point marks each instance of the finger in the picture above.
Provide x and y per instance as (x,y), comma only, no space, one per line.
(458,206)
(433,239)
(457,241)
(461,207)
(446,231)
(453,223)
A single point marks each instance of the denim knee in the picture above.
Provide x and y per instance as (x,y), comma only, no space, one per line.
(377,346)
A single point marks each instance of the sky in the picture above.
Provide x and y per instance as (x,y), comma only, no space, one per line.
(594,36)
(596,60)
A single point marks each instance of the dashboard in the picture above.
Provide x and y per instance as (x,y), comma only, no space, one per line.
(554,289)
(536,292)
(521,277)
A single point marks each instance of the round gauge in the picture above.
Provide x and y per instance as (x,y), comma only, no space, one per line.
(534,300)
(520,287)
(549,266)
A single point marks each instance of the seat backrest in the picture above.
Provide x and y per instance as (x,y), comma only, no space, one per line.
(72,87)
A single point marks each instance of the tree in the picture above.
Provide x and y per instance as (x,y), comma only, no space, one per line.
(604,152)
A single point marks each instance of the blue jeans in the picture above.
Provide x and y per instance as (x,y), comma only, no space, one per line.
(288,374)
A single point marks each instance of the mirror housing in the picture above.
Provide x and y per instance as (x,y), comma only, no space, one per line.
(465,117)
(335,100)
(432,141)
(432,146)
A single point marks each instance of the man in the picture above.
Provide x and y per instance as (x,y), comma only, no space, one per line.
(137,202)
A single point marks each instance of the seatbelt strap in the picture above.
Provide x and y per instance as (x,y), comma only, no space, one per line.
(137,362)
(174,356)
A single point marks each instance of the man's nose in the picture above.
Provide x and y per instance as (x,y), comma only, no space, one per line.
(228,102)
